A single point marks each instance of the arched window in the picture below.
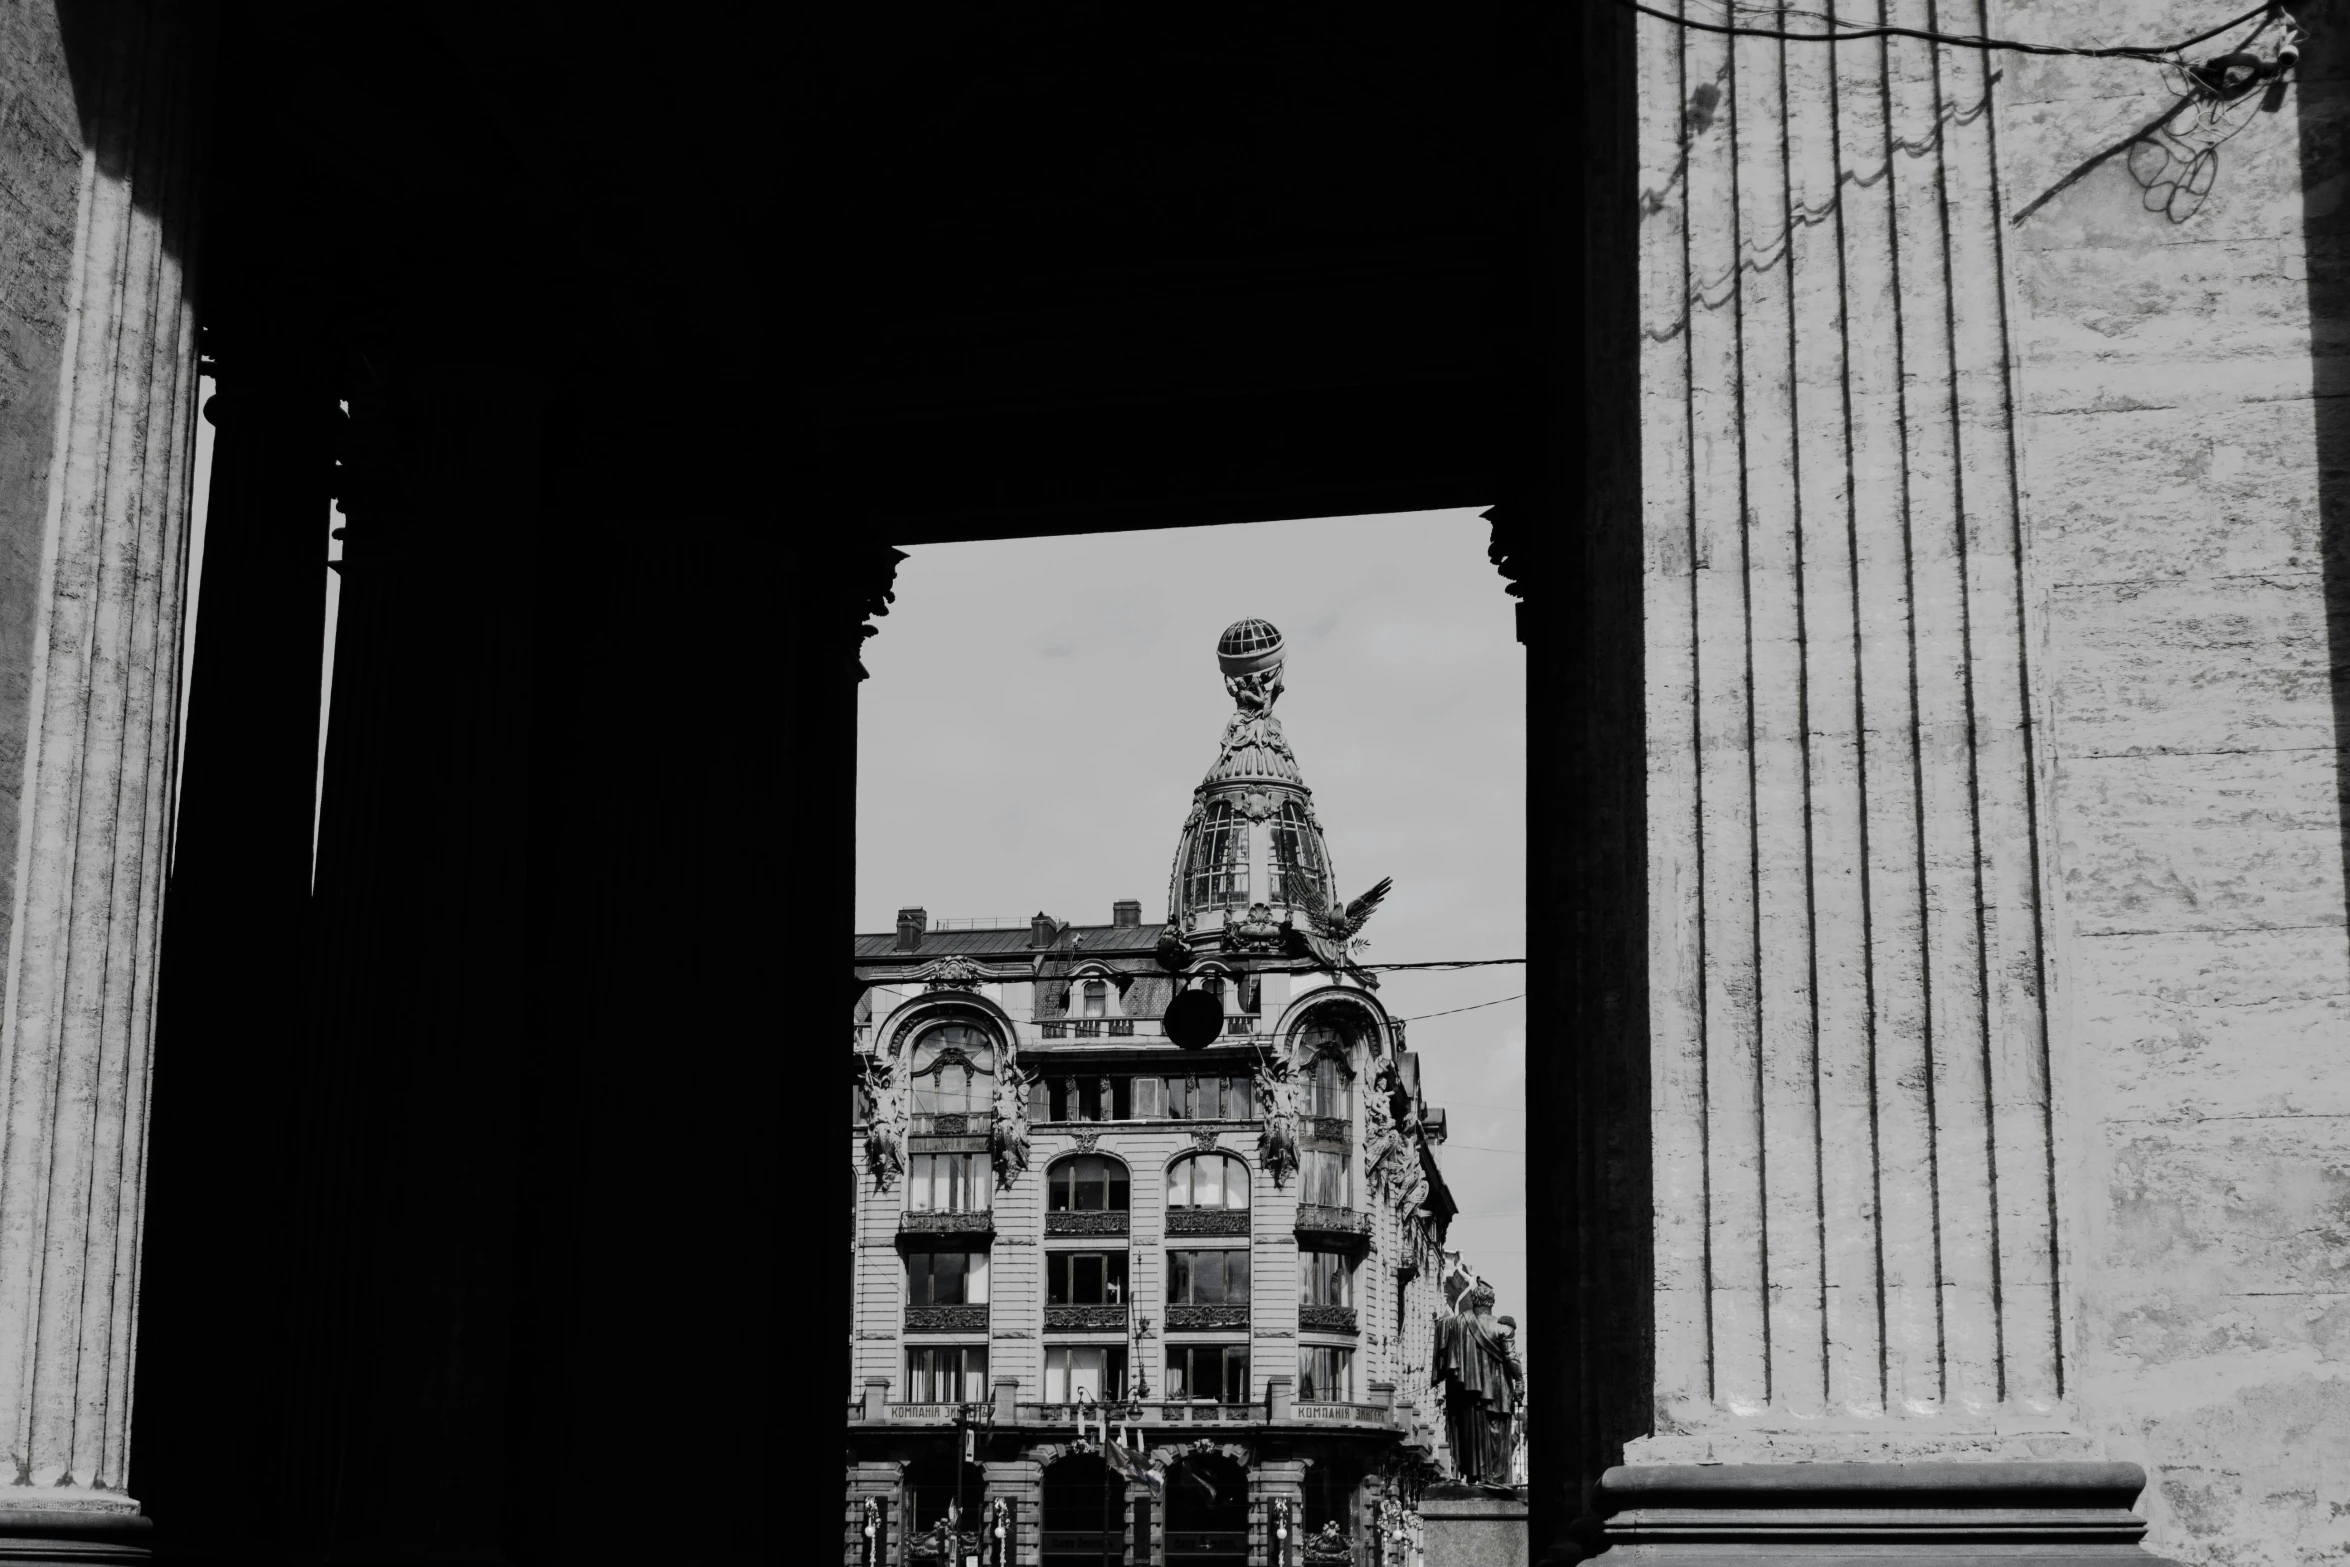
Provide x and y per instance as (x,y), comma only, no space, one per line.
(1207,1180)
(1086,1183)
(1219,858)
(953,1071)
(1298,873)
(1097,998)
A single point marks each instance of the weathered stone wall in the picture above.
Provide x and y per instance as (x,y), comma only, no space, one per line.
(2181,467)
(1996,664)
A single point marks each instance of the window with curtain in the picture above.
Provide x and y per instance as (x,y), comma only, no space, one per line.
(949,1183)
(1325,1178)
(1097,998)
(1330,1093)
(1095,1369)
(946,1374)
(1208,1371)
(1324,1279)
(1324,1375)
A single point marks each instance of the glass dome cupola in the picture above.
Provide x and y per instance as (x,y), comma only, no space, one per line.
(1252,852)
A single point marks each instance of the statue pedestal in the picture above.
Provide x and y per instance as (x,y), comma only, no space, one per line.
(1474,1526)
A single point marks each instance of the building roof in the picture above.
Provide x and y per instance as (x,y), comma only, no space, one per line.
(1010,941)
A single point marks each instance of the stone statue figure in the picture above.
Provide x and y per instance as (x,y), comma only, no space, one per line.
(1278,1105)
(885,1133)
(1482,1386)
(1007,1138)
(1329,1548)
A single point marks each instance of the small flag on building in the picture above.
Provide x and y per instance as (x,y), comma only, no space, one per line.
(1133,1469)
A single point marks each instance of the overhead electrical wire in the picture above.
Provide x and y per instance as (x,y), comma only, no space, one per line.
(1849,33)
(1471,1007)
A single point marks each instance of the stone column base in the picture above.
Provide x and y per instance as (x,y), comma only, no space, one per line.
(1474,1526)
(2012,1514)
(73,1535)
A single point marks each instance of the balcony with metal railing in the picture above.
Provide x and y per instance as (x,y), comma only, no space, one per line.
(1321,1225)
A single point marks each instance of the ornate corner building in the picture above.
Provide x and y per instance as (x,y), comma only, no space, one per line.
(1231,1250)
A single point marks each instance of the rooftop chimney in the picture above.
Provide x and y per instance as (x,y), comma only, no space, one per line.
(1126,911)
(911,924)
(1042,929)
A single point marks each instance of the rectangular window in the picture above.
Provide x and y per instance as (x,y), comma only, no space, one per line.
(1207,1278)
(1324,1279)
(1325,1178)
(1057,1092)
(946,1278)
(1098,1370)
(1214,1372)
(1324,1375)
(1085,1278)
(948,1183)
(1150,1098)
(1329,1097)
(1097,998)
(1121,1098)
(946,1374)
(1089,1099)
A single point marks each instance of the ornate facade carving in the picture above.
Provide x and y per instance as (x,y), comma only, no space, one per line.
(1255,931)
(1326,1319)
(1207,1221)
(1185,1318)
(1084,1319)
(1203,1138)
(946,1319)
(885,1131)
(1071,1221)
(980,1223)
(1008,1138)
(951,973)
(1086,1141)
(1278,1106)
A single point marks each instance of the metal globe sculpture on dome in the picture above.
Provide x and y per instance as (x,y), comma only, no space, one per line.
(1250,654)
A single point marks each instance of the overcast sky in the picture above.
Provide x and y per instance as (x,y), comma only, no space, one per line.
(1041,710)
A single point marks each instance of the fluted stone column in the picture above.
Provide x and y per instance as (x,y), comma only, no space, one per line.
(96,444)
(1856,1220)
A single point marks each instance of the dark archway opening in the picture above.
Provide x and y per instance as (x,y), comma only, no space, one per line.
(1207,1512)
(938,1489)
(1084,1513)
